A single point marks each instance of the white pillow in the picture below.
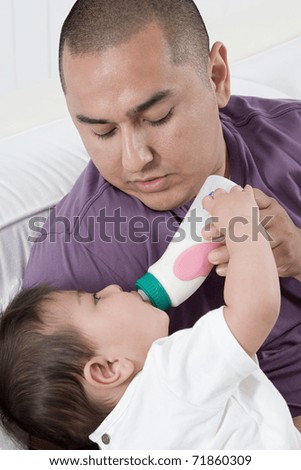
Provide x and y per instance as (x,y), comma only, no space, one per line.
(241,86)
(38,167)
(278,69)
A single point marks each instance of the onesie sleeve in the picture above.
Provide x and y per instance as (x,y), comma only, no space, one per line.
(203,364)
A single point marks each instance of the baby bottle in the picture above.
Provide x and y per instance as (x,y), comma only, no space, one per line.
(184,265)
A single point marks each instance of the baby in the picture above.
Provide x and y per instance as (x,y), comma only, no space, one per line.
(77,367)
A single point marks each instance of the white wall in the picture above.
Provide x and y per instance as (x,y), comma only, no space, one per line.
(29,31)
(251,26)
(30,92)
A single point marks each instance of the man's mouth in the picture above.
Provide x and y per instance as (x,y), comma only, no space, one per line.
(150,185)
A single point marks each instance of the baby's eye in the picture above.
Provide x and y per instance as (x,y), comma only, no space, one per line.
(95,297)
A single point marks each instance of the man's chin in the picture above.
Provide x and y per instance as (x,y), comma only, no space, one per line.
(164,200)
(161,202)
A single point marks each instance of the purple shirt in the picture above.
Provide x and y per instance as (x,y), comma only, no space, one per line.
(98,235)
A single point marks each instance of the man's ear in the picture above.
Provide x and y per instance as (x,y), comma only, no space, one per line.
(219,73)
(99,371)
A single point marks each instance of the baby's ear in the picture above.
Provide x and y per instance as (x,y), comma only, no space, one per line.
(100,372)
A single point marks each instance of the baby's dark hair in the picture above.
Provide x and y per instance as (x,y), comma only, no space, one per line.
(41,387)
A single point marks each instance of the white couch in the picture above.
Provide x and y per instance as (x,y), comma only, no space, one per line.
(42,156)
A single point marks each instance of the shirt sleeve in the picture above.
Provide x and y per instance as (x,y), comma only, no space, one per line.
(204,364)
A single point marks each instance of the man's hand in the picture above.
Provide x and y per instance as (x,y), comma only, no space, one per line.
(284,235)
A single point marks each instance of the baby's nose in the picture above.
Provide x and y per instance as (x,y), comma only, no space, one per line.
(111,289)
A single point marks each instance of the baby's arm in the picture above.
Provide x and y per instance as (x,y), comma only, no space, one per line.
(251,293)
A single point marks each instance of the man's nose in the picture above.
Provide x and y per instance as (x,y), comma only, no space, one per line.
(136,153)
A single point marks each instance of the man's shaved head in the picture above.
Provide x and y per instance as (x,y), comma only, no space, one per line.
(93,26)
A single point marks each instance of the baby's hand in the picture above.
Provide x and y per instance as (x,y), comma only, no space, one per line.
(229,211)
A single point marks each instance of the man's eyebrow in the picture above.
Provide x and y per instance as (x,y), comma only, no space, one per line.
(87,120)
(154,99)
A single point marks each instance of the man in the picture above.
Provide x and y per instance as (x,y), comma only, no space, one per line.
(152,105)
